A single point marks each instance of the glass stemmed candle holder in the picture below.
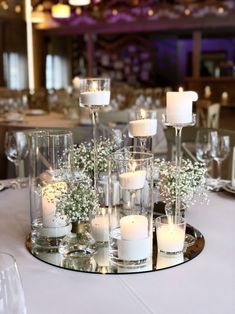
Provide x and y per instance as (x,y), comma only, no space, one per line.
(131,225)
(94,94)
(179,115)
(143,125)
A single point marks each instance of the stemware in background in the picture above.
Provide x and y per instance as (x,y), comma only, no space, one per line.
(94,94)
(220,148)
(16,149)
(203,146)
(11,295)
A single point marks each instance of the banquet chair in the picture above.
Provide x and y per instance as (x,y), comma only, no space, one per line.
(213,115)
(208,114)
(201,112)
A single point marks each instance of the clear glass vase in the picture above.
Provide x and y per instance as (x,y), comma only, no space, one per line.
(50,171)
(79,243)
(131,224)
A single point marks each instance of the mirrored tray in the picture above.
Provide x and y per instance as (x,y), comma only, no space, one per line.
(99,263)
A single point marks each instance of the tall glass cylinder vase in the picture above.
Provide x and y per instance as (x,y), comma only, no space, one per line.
(50,169)
(130,221)
(94,94)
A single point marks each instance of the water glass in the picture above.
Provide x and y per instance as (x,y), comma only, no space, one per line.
(11,293)
(16,148)
(203,146)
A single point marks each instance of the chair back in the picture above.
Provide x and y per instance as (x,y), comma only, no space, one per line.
(213,115)
(201,111)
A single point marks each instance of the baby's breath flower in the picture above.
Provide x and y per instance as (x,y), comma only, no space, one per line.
(192,181)
(84,155)
(80,200)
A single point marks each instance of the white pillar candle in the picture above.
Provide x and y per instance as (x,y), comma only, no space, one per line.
(133,180)
(170,238)
(50,195)
(233,168)
(100,228)
(134,227)
(135,249)
(143,127)
(96,98)
(179,107)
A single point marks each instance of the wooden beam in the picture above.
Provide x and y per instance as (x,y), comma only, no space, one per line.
(216,24)
(89,54)
(196,55)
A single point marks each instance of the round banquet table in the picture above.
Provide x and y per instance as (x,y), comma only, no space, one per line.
(203,285)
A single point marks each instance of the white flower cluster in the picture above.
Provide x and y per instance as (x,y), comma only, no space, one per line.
(192,181)
(80,200)
(84,155)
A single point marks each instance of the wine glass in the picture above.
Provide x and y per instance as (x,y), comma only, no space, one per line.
(16,149)
(203,146)
(220,147)
(94,94)
(12,295)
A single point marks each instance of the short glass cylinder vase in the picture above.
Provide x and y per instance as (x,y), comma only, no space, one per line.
(131,219)
(170,232)
(79,243)
(50,170)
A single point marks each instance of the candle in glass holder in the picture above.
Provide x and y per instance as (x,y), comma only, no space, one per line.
(95,98)
(135,244)
(100,228)
(179,109)
(50,195)
(133,180)
(170,238)
(143,127)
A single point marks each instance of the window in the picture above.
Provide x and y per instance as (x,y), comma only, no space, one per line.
(15,73)
(56,72)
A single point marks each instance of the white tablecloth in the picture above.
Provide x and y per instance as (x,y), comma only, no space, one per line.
(205,285)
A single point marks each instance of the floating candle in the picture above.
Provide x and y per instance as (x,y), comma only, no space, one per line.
(96,98)
(133,180)
(143,127)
